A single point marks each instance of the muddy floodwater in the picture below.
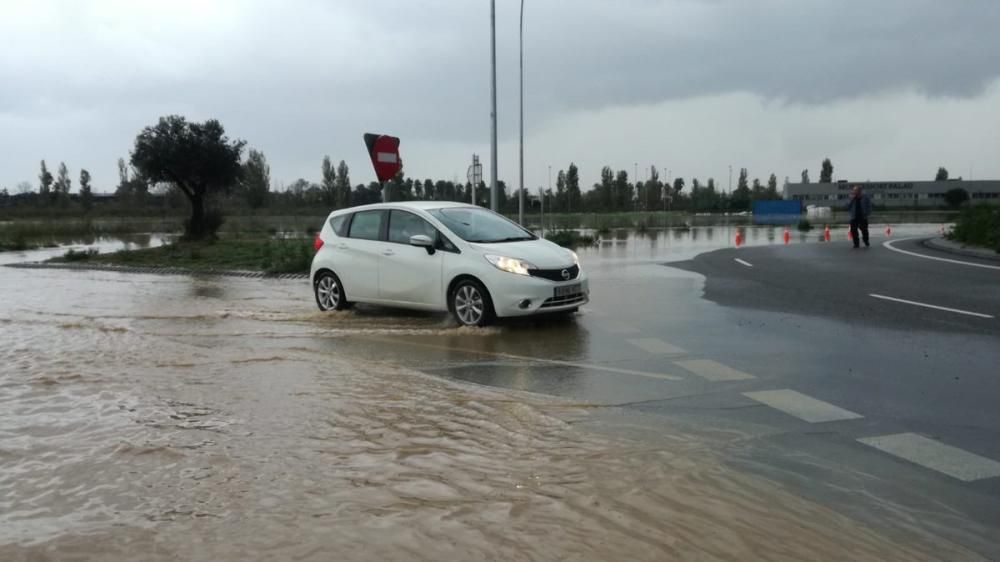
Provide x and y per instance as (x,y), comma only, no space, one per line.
(171,417)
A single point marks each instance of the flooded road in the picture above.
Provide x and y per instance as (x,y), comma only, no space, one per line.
(164,417)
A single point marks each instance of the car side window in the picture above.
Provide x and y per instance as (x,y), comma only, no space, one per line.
(367,225)
(339,225)
(403,225)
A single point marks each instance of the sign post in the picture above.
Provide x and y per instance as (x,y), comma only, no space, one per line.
(384,153)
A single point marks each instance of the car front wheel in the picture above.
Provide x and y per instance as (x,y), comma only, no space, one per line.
(329,292)
(471,305)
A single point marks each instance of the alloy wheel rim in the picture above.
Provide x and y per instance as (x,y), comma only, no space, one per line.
(469,305)
(329,293)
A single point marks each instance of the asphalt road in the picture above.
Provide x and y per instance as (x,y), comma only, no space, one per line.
(884,410)
(837,281)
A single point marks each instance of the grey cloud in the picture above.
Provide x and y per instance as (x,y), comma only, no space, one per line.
(306,78)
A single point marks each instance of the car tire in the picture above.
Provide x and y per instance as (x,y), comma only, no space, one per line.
(470,304)
(329,292)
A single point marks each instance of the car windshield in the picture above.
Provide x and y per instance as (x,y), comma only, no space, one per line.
(475,224)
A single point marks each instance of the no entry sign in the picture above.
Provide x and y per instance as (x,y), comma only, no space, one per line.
(384,152)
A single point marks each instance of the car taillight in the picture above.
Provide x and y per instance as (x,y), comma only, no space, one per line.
(317,243)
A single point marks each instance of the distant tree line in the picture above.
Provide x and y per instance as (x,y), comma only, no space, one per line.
(178,165)
(252,188)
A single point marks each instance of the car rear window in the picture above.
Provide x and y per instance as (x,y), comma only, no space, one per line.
(339,225)
(367,225)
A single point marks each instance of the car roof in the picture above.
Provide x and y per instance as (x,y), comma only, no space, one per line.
(422,205)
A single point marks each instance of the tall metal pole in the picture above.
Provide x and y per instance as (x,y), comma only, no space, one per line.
(541,198)
(520,191)
(493,113)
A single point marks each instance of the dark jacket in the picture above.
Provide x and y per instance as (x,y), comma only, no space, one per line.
(860,208)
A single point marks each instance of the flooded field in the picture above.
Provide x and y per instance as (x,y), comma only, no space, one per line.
(164,417)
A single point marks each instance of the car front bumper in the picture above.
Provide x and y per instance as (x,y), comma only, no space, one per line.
(520,295)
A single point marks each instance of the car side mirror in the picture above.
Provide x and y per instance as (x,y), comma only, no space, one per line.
(423,241)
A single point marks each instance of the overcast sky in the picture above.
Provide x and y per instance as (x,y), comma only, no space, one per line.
(888,89)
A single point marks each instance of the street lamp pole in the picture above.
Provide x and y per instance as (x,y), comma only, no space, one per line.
(493,113)
(520,191)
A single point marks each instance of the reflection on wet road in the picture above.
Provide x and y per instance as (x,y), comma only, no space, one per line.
(163,417)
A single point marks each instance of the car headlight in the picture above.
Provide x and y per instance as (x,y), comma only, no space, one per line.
(510,265)
(576,258)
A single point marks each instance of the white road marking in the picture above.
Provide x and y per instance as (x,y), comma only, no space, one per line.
(889,244)
(654,345)
(589,366)
(616,327)
(746,263)
(934,306)
(801,406)
(713,370)
(935,455)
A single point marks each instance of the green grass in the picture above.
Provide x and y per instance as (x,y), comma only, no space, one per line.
(979,226)
(250,254)
(18,244)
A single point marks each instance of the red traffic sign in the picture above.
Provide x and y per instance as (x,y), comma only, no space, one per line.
(384,152)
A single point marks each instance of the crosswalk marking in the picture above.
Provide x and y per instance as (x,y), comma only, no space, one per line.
(654,345)
(801,406)
(935,455)
(713,370)
(616,327)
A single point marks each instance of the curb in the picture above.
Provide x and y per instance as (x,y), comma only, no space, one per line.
(942,245)
(159,270)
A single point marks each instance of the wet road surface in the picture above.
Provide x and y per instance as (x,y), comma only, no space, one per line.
(855,409)
(170,416)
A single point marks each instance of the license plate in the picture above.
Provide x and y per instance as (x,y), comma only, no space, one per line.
(568,290)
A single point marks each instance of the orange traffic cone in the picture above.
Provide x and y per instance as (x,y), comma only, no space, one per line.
(739,238)
(888,230)
(786,235)
(826,234)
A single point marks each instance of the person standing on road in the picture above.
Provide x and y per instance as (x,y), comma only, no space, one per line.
(860,208)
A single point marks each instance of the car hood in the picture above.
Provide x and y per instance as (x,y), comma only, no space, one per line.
(541,253)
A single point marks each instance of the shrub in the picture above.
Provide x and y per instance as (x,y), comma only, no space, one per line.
(570,238)
(213,221)
(82,255)
(979,226)
(805,225)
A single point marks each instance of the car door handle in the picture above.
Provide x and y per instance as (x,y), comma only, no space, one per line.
(388,253)
(341,246)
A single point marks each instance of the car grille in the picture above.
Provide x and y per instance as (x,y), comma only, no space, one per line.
(556,274)
(567,300)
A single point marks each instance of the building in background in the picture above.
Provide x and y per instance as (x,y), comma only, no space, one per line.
(894,193)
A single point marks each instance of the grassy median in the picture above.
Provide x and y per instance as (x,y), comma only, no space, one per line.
(269,255)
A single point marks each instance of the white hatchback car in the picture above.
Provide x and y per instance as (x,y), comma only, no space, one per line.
(443,256)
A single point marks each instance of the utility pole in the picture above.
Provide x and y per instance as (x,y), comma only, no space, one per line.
(541,200)
(730,179)
(635,178)
(520,191)
(493,113)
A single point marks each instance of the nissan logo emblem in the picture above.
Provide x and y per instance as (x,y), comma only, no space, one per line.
(565,274)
